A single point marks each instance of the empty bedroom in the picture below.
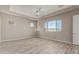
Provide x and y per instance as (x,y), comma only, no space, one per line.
(39,29)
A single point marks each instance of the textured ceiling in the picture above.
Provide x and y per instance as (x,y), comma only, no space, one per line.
(30,10)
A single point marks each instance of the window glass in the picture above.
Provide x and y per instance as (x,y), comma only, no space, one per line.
(53,26)
(59,25)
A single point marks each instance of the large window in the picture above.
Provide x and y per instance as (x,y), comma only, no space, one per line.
(53,26)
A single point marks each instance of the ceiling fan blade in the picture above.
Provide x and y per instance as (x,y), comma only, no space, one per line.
(40,9)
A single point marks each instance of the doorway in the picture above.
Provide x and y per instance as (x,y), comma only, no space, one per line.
(76,29)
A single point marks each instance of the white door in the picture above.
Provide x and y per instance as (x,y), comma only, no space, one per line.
(76,29)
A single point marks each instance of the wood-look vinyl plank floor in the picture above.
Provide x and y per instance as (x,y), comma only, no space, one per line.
(37,46)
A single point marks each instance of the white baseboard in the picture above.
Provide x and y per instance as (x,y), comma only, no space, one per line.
(58,40)
(37,37)
(16,39)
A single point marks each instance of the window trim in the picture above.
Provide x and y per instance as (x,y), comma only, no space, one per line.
(46,29)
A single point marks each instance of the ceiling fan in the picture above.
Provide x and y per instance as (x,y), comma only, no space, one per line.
(37,12)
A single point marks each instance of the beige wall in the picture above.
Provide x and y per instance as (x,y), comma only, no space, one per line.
(66,34)
(0,28)
(19,28)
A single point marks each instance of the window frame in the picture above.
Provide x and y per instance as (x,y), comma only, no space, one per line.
(47,30)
